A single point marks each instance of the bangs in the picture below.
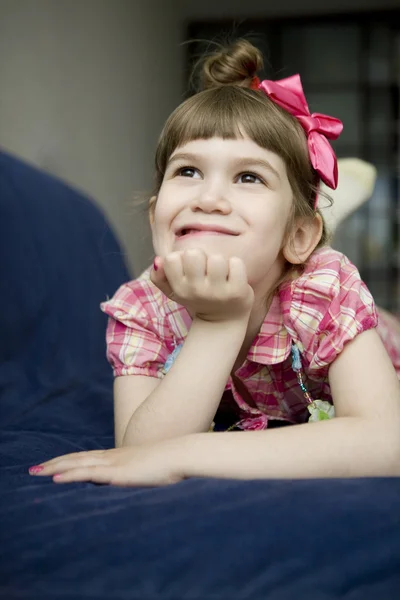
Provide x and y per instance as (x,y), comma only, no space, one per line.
(211,114)
(229,112)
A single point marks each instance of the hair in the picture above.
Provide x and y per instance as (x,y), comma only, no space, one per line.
(227,107)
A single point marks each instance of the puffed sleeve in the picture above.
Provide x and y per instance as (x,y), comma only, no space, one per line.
(136,330)
(325,308)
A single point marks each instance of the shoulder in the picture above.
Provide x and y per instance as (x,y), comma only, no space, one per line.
(144,327)
(327,305)
(138,298)
(139,304)
(326,270)
(328,276)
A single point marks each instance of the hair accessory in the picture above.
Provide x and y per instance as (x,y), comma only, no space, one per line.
(288,94)
(255,82)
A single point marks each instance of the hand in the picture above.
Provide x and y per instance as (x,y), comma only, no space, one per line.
(212,288)
(147,465)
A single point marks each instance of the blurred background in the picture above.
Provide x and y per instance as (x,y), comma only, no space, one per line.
(85,86)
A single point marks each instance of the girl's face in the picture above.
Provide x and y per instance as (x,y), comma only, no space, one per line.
(229,197)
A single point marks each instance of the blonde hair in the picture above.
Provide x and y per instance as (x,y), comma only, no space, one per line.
(226,107)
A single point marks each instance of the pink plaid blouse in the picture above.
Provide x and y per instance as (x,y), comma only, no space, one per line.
(320,311)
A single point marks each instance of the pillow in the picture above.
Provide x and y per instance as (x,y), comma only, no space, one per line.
(356,184)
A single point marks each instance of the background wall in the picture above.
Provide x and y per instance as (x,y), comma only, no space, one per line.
(87,84)
(85,88)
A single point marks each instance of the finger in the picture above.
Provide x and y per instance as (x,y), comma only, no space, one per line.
(159,278)
(57,458)
(70,461)
(217,268)
(95,474)
(157,273)
(174,269)
(194,263)
(237,272)
(42,467)
(76,455)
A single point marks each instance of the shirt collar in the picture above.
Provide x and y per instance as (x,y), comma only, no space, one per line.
(272,344)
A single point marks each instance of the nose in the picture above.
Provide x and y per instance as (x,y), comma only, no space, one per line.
(211,198)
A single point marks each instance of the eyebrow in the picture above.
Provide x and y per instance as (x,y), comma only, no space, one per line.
(259,162)
(242,162)
(184,156)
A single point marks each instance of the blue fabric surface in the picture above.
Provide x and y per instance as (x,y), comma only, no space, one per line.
(59,260)
(200,539)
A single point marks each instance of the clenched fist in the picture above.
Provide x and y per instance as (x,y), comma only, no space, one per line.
(212,288)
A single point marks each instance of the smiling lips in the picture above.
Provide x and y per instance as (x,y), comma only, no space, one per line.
(198,229)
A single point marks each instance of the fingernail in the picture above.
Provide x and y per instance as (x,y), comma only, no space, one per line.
(35,470)
(155,264)
(57,476)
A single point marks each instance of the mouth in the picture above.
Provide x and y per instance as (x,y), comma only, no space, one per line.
(190,230)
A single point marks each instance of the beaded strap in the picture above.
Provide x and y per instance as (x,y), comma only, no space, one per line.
(298,369)
(320,410)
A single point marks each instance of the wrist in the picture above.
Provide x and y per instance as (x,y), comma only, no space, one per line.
(177,452)
(184,450)
(220,332)
(237,322)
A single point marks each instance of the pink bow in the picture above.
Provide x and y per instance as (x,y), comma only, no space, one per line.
(288,93)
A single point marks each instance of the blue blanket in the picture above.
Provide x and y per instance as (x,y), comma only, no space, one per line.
(197,540)
(200,539)
(59,260)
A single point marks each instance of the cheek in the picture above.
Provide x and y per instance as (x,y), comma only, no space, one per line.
(160,214)
(165,207)
(160,226)
(271,224)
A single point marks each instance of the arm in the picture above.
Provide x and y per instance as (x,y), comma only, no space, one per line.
(217,293)
(186,400)
(362,440)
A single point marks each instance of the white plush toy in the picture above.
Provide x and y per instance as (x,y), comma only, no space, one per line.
(356,184)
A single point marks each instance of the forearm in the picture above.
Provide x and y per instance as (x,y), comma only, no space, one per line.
(342,447)
(187,398)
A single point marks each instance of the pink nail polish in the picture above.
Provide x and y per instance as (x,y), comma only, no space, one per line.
(155,265)
(57,476)
(36,469)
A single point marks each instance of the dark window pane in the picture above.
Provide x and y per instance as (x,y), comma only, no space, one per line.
(322,54)
(379,63)
(380,122)
(345,106)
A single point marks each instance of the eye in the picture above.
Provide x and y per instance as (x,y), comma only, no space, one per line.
(249,178)
(187,172)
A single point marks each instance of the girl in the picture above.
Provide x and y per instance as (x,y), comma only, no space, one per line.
(247,320)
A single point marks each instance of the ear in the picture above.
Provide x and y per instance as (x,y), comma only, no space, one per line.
(152,206)
(303,239)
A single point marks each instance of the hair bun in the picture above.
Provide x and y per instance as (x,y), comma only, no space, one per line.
(236,64)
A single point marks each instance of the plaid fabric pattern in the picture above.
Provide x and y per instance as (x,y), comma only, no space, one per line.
(320,311)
